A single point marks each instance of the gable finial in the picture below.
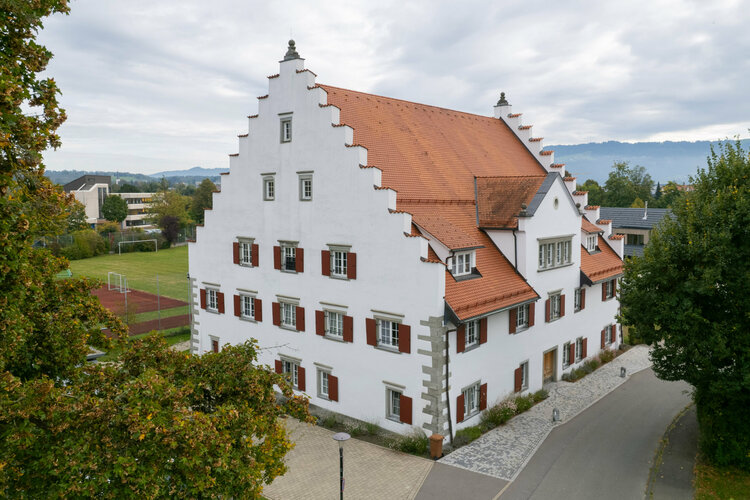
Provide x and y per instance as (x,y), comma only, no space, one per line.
(291,52)
(502,101)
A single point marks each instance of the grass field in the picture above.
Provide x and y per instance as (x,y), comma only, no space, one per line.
(720,483)
(141,269)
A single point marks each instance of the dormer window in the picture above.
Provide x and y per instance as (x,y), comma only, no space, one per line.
(555,252)
(462,263)
(591,242)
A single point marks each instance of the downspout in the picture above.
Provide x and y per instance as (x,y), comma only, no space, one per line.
(447,386)
(515,251)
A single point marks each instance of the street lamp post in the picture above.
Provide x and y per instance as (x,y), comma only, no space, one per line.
(341,437)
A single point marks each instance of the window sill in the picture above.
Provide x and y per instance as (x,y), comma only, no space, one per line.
(542,269)
(396,418)
(245,264)
(471,415)
(334,338)
(471,347)
(465,277)
(324,398)
(248,319)
(387,348)
(288,271)
(212,311)
(341,277)
(288,328)
(521,329)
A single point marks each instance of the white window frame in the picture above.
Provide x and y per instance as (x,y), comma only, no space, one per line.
(247,302)
(611,290)
(288,248)
(591,241)
(286,129)
(269,187)
(288,310)
(524,375)
(212,300)
(472,334)
(522,317)
(462,263)
(472,399)
(339,263)
(577,299)
(334,324)
(555,252)
(393,403)
(610,335)
(579,349)
(566,362)
(246,251)
(555,306)
(305,187)
(290,367)
(387,333)
(323,384)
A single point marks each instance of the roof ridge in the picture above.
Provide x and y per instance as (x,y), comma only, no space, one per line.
(435,201)
(511,176)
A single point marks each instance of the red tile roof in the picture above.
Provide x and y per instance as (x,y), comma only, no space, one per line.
(499,199)
(587,226)
(602,265)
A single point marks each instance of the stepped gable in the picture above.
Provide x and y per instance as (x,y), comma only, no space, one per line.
(602,265)
(499,199)
(430,152)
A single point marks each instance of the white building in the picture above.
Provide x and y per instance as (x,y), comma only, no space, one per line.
(90,191)
(406,264)
(139,205)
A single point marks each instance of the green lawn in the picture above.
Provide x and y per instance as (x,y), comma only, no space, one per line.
(141,268)
(165,313)
(720,483)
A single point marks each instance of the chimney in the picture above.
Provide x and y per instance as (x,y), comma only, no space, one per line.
(645,212)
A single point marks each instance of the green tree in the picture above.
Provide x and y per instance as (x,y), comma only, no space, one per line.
(625,184)
(160,424)
(114,208)
(202,200)
(128,188)
(670,193)
(76,216)
(596,193)
(689,297)
(170,203)
(657,191)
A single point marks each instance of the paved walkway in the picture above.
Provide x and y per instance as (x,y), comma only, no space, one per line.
(370,471)
(503,452)
(672,478)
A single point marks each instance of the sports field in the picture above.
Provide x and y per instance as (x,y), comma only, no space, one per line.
(140,269)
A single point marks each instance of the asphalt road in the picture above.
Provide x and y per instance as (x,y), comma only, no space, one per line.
(607,450)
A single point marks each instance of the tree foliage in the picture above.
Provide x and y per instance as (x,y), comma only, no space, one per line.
(114,208)
(626,183)
(689,297)
(160,424)
(170,228)
(596,193)
(202,199)
(170,203)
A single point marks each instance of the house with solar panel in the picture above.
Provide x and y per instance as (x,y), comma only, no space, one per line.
(404,264)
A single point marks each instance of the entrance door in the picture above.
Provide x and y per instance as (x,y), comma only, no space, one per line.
(549,366)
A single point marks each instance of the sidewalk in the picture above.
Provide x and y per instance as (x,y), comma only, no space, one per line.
(504,451)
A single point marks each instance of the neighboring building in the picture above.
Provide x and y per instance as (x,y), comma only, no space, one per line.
(635,224)
(138,209)
(403,263)
(90,190)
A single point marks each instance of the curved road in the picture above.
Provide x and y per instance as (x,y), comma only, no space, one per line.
(608,449)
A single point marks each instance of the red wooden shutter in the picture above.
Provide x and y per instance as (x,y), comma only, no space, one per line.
(333,388)
(258,310)
(320,322)
(404,338)
(460,408)
(348,329)
(254,256)
(513,319)
(562,305)
(572,353)
(220,300)
(604,291)
(237,306)
(532,311)
(299,264)
(301,378)
(461,338)
(277,365)
(603,339)
(483,330)
(518,379)
(371,329)
(325,262)
(614,333)
(277,257)
(351,266)
(276,313)
(483,397)
(215,345)
(300,313)
(584,354)
(203,298)
(405,409)
(236,252)
(546,310)
(583,298)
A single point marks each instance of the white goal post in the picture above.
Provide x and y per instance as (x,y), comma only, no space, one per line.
(117,281)
(119,245)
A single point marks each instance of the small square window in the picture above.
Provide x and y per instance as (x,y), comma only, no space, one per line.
(288,258)
(387,333)
(246,253)
(305,187)
(339,263)
(286,130)
(462,263)
(393,404)
(212,300)
(472,333)
(609,289)
(269,190)
(471,400)
(334,324)
(247,307)
(290,369)
(288,315)
(522,317)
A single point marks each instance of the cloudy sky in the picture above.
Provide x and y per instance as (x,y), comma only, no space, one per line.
(163,85)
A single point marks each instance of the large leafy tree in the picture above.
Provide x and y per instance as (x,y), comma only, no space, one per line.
(625,184)
(596,193)
(114,209)
(202,199)
(160,424)
(689,297)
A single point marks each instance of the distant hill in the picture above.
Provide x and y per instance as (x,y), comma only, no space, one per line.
(664,161)
(193,172)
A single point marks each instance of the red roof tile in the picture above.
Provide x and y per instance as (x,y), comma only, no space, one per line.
(616,236)
(587,226)
(604,221)
(499,199)
(602,265)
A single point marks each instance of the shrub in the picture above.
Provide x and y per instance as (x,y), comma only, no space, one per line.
(84,244)
(362,429)
(415,443)
(542,394)
(329,421)
(523,403)
(606,356)
(467,435)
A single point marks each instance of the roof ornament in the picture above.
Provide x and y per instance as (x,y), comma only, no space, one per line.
(523,212)
(502,101)
(291,52)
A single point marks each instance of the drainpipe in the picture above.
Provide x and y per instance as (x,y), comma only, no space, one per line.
(447,385)
(515,251)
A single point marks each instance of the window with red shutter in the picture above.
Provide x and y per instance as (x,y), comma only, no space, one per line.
(348,329)
(518,379)
(277,366)
(254,257)
(562,305)
(214,345)
(301,378)
(300,314)
(220,301)
(320,323)
(461,338)
(276,313)
(546,311)
(325,262)
(532,313)
(405,409)
(236,252)
(583,298)
(371,329)
(300,262)
(333,388)
(603,339)
(237,306)
(351,265)
(585,349)
(483,330)
(483,397)
(258,310)
(512,320)
(203,298)
(277,257)
(460,408)
(404,338)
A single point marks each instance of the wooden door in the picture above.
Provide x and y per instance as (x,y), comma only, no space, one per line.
(549,366)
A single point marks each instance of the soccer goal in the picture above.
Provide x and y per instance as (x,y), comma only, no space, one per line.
(119,245)
(117,281)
